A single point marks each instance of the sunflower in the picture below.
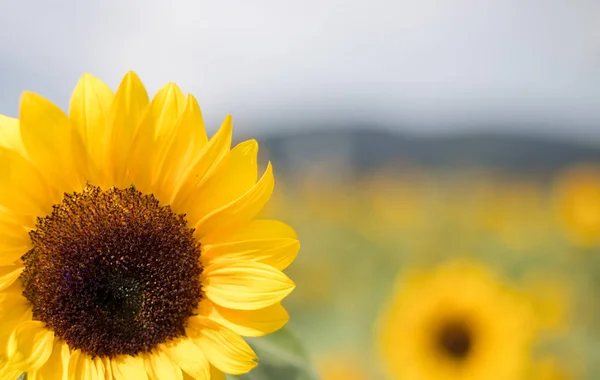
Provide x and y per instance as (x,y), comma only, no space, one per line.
(456,322)
(577,201)
(130,247)
(550,368)
(342,366)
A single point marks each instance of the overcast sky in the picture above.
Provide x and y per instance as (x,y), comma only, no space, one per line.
(424,65)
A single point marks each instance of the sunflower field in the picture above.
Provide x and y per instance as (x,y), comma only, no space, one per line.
(415,273)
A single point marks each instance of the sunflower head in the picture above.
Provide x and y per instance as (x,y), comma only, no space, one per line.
(577,204)
(342,366)
(129,244)
(551,367)
(457,321)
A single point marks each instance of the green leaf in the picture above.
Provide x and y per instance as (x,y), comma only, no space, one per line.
(280,356)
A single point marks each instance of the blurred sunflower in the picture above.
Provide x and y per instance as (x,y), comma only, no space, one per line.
(551,298)
(519,216)
(577,197)
(394,205)
(550,368)
(341,367)
(129,245)
(456,322)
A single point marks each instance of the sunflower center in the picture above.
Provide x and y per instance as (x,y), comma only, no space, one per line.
(118,296)
(455,340)
(113,272)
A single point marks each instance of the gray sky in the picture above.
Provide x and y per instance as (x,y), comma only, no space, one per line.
(426,65)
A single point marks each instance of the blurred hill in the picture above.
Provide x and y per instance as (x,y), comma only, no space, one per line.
(357,151)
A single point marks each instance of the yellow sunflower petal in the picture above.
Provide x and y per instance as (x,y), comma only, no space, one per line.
(247,322)
(47,132)
(30,345)
(128,367)
(127,112)
(159,366)
(241,210)
(14,310)
(256,229)
(147,143)
(108,375)
(189,358)
(245,285)
(167,105)
(279,253)
(57,365)
(7,372)
(210,155)
(22,188)
(85,165)
(216,374)
(268,241)
(15,224)
(89,110)
(10,134)
(100,369)
(196,123)
(14,241)
(233,176)
(225,349)
(9,274)
(178,152)
(141,171)
(81,366)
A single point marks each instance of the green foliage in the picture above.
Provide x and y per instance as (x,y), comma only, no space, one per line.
(280,356)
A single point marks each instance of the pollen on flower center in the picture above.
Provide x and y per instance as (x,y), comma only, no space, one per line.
(455,340)
(113,272)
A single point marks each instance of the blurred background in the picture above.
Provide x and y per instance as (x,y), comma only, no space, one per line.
(405,135)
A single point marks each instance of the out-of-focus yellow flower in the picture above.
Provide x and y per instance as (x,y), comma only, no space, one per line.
(520,216)
(464,202)
(550,296)
(549,368)
(455,322)
(342,367)
(577,197)
(394,204)
(330,202)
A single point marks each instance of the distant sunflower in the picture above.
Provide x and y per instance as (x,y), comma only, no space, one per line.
(341,366)
(456,322)
(129,248)
(577,195)
(551,368)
